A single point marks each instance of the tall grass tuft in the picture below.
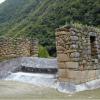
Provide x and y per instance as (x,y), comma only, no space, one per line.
(43,53)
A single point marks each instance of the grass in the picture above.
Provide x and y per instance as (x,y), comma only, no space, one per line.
(10,90)
(43,52)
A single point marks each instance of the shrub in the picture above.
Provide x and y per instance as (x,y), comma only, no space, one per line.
(43,52)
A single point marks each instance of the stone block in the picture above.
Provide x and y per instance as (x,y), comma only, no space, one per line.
(60,48)
(62,79)
(62,73)
(74,38)
(73,74)
(98,74)
(85,76)
(62,65)
(73,33)
(74,46)
(75,55)
(67,80)
(61,33)
(77,76)
(72,64)
(75,59)
(62,57)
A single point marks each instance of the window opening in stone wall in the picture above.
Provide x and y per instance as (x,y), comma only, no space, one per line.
(93,47)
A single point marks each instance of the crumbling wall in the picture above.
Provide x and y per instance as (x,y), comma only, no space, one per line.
(18,47)
(74,54)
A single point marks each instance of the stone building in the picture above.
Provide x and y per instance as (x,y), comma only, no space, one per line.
(18,47)
(78,53)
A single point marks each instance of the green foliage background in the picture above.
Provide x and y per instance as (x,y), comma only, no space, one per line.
(40,18)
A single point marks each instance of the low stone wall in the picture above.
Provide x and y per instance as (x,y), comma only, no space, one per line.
(78,53)
(18,47)
(6,67)
(28,65)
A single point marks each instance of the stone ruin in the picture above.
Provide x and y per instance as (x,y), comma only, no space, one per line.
(78,54)
(18,47)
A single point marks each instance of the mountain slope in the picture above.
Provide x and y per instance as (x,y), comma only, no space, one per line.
(40,18)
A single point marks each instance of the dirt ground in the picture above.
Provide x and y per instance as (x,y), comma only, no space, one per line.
(10,90)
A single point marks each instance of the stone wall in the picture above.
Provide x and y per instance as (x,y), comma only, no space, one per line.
(18,47)
(29,65)
(78,54)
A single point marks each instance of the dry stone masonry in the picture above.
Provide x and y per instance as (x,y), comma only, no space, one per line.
(78,54)
(18,47)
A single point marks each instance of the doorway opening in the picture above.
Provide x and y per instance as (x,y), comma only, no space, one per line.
(93,47)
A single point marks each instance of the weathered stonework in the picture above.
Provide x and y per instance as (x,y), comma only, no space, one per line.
(78,54)
(18,47)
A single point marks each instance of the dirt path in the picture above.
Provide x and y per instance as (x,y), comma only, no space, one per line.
(20,91)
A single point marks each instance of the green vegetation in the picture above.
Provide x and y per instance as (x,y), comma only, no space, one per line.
(43,52)
(40,18)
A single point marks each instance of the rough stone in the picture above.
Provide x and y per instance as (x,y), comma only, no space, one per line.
(62,65)
(72,64)
(62,57)
(74,38)
(75,55)
(63,73)
(81,52)
(18,47)
(73,46)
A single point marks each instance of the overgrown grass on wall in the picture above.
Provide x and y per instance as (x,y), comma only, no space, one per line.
(43,52)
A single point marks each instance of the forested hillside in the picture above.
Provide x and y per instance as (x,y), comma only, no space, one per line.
(40,18)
